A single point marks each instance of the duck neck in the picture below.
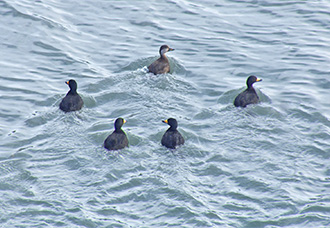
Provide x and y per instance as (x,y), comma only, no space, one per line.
(119,130)
(172,129)
(163,56)
(72,92)
(250,87)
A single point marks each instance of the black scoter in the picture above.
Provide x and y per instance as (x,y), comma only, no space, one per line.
(248,96)
(72,101)
(118,139)
(172,137)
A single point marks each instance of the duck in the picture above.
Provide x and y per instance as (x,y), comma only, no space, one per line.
(72,101)
(172,137)
(161,65)
(117,139)
(248,96)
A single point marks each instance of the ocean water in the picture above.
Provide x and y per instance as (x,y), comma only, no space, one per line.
(263,166)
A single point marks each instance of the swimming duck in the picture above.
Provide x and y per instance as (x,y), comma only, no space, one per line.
(248,96)
(161,65)
(118,139)
(72,101)
(172,137)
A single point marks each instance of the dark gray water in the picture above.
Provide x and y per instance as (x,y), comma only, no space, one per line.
(263,166)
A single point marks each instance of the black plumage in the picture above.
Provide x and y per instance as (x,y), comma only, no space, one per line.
(161,65)
(117,139)
(72,101)
(172,137)
(248,96)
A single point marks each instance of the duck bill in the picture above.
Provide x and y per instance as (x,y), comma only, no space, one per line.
(259,79)
(67,82)
(171,49)
(165,121)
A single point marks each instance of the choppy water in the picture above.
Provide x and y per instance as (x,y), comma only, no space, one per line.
(263,166)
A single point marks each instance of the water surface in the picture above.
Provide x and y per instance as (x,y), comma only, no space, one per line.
(263,166)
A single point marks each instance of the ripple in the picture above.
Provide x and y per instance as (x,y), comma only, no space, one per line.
(265,165)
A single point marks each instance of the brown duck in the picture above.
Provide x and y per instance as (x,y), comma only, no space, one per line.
(161,65)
